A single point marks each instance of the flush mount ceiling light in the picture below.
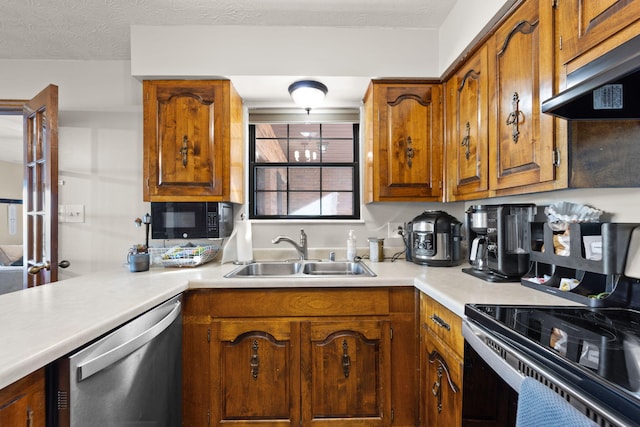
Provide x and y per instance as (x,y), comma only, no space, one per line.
(308,93)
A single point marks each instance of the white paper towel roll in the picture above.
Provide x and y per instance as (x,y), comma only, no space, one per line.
(244,241)
(230,248)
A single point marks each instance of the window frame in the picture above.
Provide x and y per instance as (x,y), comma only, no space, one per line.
(354,165)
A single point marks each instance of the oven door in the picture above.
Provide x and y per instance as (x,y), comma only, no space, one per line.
(509,362)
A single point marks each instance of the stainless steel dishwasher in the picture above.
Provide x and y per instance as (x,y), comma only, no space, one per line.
(130,377)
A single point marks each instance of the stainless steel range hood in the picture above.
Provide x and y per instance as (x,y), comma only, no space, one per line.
(605,89)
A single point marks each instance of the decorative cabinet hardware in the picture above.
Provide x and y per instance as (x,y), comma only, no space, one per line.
(466,141)
(556,158)
(438,321)
(184,151)
(514,117)
(442,368)
(346,360)
(409,151)
(255,361)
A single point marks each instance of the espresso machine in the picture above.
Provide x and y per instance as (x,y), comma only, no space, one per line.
(498,236)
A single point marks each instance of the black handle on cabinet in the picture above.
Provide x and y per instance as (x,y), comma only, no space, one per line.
(438,321)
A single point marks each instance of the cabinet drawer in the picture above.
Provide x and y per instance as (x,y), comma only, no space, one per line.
(311,302)
(442,322)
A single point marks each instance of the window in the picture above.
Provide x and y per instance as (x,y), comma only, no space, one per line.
(303,171)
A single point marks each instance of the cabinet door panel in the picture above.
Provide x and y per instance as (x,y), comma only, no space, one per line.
(255,372)
(185,156)
(411,139)
(444,384)
(523,151)
(585,24)
(23,403)
(468,149)
(403,141)
(346,373)
(185,141)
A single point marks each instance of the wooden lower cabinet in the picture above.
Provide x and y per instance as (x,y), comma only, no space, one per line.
(443,377)
(457,387)
(23,402)
(441,363)
(346,373)
(255,366)
(306,357)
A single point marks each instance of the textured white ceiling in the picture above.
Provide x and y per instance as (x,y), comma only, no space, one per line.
(99,29)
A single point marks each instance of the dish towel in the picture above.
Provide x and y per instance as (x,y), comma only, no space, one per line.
(540,406)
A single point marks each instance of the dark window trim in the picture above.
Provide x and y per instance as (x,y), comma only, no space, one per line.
(355,166)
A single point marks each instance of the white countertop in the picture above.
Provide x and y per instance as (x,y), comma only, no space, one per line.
(40,325)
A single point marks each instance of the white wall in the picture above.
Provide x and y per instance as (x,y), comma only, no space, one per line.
(276,51)
(465,21)
(100,159)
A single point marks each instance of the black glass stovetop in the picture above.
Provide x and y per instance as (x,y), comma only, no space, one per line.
(597,349)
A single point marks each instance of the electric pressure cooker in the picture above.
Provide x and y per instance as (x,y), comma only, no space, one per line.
(435,239)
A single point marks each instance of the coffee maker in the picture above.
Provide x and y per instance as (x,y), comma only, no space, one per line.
(498,235)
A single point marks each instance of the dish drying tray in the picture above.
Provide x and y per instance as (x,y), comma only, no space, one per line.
(178,256)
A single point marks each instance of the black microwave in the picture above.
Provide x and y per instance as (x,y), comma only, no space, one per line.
(191,220)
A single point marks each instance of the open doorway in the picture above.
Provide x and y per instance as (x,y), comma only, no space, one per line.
(39,177)
(11,182)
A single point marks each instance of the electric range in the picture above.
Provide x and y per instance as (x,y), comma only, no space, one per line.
(589,355)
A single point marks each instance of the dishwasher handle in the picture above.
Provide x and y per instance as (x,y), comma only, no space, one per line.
(108,358)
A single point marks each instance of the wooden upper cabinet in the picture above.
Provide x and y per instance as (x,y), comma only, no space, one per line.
(522,153)
(467,132)
(193,141)
(593,27)
(403,141)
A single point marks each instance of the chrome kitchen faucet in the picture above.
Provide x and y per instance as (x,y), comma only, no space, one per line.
(301,248)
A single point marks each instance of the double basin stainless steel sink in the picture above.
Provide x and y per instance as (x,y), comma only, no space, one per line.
(302,268)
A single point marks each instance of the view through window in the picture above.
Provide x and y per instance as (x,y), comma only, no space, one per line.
(304,171)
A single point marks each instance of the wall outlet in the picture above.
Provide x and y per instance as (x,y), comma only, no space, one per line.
(393,228)
(71,213)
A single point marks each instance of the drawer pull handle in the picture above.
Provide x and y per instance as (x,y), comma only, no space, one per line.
(438,321)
